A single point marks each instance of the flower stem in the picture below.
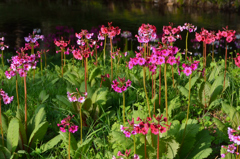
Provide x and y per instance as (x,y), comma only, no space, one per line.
(25,92)
(225,66)
(134,143)
(157,146)
(85,64)
(104,50)
(80,113)
(123,108)
(144,85)
(41,64)
(96,55)
(186,51)
(45,59)
(212,52)
(69,143)
(159,97)
(189,100)
(165,79)
(1,122)
(2,59)
(17,91)
(173,77)
(145,147)
(62,61)
(204,59)
(111,60)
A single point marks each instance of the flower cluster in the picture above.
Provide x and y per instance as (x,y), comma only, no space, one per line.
(62,45)
(189,27)
(76,96)
(83,37)
(170,34)
(110,31)
(32,40)
(2,46)
(103,76)
(6,98)
(146,33)
(121,86)
(21,64)
(189,68)
(126,34)
(228,34)
(234,136)
(81,52)
(66,122)
(144,125)
(118,54)
(206,36)
(127,154)
(237,60)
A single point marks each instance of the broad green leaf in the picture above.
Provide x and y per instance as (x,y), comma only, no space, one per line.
(87,105)
(40,117)
(54,81)
(83,149)
(96,72)
(72,79)
(12,135)
(189,138)
(38,134)
(4,123)
(43,96)
(20,115)
(222,127)
(214,73)
(233,114)
(172,148)
(174,104)
(193,81)
(183,90)
(22,136)
(51,143)
(5,153)
(201,148)
(73,142)
(204,93)
(64,101)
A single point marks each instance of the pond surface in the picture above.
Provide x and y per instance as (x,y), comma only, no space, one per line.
(19,19)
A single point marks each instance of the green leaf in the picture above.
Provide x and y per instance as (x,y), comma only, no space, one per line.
(96,72)
(214,73)
(233,114)
(204,93)
(38,134)
(54,81)
(174,104)
(12,135)
(189,137)
(193,81)
(222,127)
(183,90)
(22,136)
(64,101)
(201,148)
(51,143)
(87,105)
(83,149)
(73,143)
(43,96)
(172,148)
(72,79)
(5,153)
(4,123)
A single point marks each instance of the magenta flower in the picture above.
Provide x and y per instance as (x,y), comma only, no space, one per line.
(6,98)
(187,70)
(66,122)
(121,86)
(76,96)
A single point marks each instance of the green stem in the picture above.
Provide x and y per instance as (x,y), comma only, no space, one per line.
(111,60)
(157,146)
(45,59)
(186,51)
(173,77)
(225,66)
(2,59)
(145,147)
(189,100)
(62,61)
(69,143)
(159,97)
(1,122)
(41,64)
(165,79)
(104,50)
(80,113)
(212,52)
(134,143)
(85,63)
(123,108)
(17,91)
(25,92)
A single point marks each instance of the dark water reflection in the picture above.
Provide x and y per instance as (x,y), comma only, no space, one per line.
(18,19)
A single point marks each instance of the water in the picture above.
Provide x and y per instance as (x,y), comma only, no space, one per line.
(19,19)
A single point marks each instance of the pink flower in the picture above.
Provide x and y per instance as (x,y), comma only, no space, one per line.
(187,70)
(62,129)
